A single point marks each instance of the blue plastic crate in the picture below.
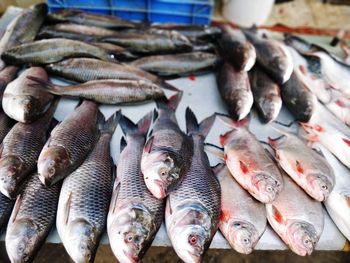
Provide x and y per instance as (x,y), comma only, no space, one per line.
(180,11)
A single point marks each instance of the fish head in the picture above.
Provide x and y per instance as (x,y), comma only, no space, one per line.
(11,169)
(243,236)
(161,172)
(53,160)
(271,106)
(81,243)
(243,103)
(321,186)
(22,240)
(267,186)
(179,40)
(302,237)
(132,231)
(22,108)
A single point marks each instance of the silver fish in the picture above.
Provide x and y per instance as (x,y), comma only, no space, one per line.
(31,220)
(6,76)
(6,205)
(243,219)
(165,155)
(296,218)
(193,207)
(135,215)
(84,199)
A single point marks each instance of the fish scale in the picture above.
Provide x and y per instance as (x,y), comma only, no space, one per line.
(31,220)
(6,205)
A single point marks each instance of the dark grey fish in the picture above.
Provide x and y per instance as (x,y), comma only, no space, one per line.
(85,197)
(6,76)
(23,102)
(235,90)
(86,69)
(152,41)
(266,93)
(20,151)
(193,208)
(53,50)
(69,143)
(300,101)
(23,28)
(177,64)
(6,123)
(109,91)
(6,206)
(235,48)
(85,18)
(135,215)
(272,56)
(31,220)
(166,154)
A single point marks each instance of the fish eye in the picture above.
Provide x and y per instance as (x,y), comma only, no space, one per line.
(52,171)
(269,189)
(246,241)
(192,239)
(237,224)
(129,238)
(163,172)
(324,187)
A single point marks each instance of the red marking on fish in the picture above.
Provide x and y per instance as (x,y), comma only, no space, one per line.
(340,103)
(346,141)
(299,168)
(302,69)
(192,77)
(223,138)
(278,156)
(244,167)
(277,215)
(319,128)
(224,215)
(271,142)
(225,157)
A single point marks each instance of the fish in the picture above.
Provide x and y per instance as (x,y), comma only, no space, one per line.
(236,49)
(338,202)
(6,76)
(112,91)
(20,151)
(306,167)
(85,197)
(332,133)
(47,51)
(272,56)
(23,28)
(135,215)
(166,152)
(151,41)
(234,88)
(86,69)
(243,219)
(177,64)
(24,103)
(248,161)
(192,31)
(296,218)
(6,206)
(300,44)
(69,143)
(118,51)
(85,18)
(31,220)
(299,100)
(266,93)
(193,208)
(6,123)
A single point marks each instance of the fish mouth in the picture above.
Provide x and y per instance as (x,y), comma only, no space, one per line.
(131,257)
(45,180)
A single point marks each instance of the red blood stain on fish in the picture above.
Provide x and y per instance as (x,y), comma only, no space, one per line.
(192,77)
(225,157)
(244,167)
(318,128)
(277,215)
(346,141)
(224,215)
(298,167)
(340,103)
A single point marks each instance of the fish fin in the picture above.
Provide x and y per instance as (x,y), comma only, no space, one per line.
(45,85)
(100,119)
(144,124)
(231,123)
(244,167)
(111,124)
(122,143)
(319,151)
(277,215)
(148,145)
(172,102)
(79,103)
(16,208)
(67,208)
(223,137)
(202,128)
(114,200)
(218,168)
(273,141)
(127,125)
(1,148)
(215,150)
(155,115)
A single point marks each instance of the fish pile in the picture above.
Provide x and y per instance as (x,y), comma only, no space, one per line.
(62,173)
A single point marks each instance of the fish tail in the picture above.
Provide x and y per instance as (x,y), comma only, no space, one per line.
(172,103)
(44,84)
(128,127)
(202,128)
(231,123)
(111,123)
